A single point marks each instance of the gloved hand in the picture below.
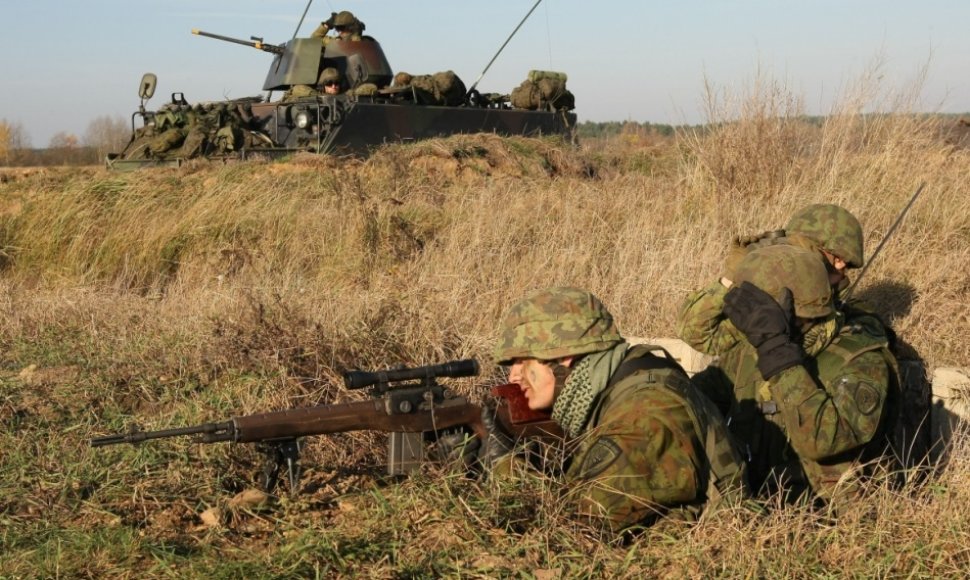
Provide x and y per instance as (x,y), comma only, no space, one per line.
(767,325)
(460,445)
(330,21)
(457,445)
(498,444)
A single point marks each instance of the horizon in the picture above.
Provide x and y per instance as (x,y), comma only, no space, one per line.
(658,59)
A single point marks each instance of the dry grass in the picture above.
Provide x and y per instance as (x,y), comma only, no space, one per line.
(169,297)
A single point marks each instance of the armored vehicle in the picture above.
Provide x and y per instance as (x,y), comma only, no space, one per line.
(369,110)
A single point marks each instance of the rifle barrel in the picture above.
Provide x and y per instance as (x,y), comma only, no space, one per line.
(211,433)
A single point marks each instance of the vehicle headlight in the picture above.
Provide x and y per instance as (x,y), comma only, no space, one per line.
(302,120)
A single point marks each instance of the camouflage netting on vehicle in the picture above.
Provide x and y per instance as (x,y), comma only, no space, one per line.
(180,131)
(441,88)
(365,90)
(543,90)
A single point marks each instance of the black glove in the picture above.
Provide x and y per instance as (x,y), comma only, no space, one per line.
(330,21)
(498,444)
(767,325)
(472,452)
(457,445)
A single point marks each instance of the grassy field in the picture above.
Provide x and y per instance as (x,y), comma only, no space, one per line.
(180,296)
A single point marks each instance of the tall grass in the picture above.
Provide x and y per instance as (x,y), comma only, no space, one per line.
(177,296)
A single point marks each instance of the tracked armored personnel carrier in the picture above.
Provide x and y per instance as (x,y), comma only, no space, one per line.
(297,115)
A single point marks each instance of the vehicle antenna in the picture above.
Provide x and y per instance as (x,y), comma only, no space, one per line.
(475,84)
(305,10)
(882,243)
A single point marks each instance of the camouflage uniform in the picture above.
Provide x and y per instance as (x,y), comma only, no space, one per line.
(647,442)
(327,75)
(814,423)
(817,227)
(345,20)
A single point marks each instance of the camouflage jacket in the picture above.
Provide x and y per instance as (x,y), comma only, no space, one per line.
(812,424)
(743,246)
(653,444)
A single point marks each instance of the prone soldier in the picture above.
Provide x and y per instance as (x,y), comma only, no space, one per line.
(646,442)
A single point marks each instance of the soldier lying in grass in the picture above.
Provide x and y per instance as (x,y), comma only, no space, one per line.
(645,442)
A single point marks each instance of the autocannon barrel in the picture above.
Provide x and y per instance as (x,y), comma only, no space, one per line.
(255,43)
(457,368)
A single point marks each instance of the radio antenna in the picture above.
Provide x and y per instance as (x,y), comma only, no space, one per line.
(475,84)
(302,18)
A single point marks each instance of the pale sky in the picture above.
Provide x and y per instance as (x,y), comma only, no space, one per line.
(66,62)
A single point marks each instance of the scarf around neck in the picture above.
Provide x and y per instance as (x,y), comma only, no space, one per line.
(589,377)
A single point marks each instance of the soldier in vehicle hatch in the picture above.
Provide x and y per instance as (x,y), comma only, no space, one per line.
(330,81)
(347,25)
(647,442)
(811,392)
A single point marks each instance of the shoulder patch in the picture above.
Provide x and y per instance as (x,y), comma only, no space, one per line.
(600,456)
(866,398)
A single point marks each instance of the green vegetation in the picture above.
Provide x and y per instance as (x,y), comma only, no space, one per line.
(175,296)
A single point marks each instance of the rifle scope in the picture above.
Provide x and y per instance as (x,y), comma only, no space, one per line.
(455,368)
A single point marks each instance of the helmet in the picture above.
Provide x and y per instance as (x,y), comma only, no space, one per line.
(555,323)
(345,18)
(774,268)
(329,75)
(833,228)
(402,79)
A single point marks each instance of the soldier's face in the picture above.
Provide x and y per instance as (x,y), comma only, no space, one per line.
(836,267)
(537,382)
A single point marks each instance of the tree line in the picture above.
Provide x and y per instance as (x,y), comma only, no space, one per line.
(599,129)
(103,135)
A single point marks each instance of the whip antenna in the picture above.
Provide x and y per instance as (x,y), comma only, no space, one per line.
(305,10)
(475,84)
(882,243)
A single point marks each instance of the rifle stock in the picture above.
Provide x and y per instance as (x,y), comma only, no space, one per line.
(517,419)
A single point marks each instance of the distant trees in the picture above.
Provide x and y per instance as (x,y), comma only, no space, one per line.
(64,149)
(14,142)
(588,129)
(107,134)
(103,135)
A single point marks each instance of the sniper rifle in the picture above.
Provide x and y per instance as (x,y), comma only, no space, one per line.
(407,403)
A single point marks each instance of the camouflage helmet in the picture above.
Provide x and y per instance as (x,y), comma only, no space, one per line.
(345,19)
(774,268)
(329,75)
(555,323)
(833,228)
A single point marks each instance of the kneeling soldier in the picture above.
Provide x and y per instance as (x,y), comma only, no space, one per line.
(809,391)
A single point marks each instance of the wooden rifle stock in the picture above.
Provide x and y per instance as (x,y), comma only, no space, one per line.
(516,418)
